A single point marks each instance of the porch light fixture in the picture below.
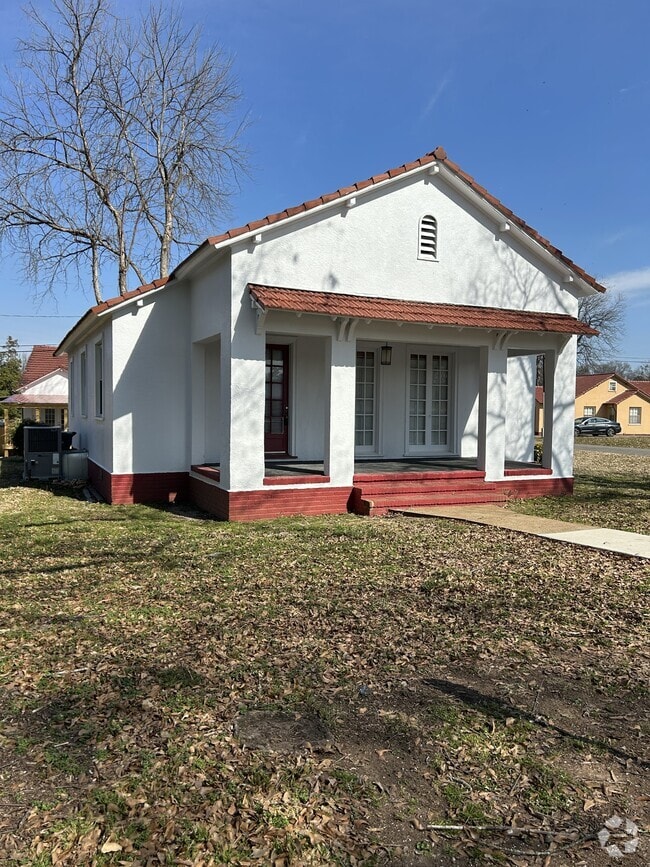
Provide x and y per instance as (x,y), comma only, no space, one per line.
(386,354)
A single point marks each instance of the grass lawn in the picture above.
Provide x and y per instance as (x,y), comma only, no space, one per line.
(180,691)
(611,490)
(625,441)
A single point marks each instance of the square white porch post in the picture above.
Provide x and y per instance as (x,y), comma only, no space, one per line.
(340,360)
(492,403)
(242,412)
(559,408)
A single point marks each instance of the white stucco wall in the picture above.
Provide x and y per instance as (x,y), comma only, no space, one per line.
(520,408)
(371,249)
(151,385)
(93,432)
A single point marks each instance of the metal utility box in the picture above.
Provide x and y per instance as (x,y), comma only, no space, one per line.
(42,452)
(74,465)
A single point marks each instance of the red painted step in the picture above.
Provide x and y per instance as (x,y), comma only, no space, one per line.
(418,486)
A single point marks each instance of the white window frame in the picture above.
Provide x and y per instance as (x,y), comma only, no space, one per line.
(612,385)
(588,411)
(99,379)
(49,412)
(72,384)
(637,412)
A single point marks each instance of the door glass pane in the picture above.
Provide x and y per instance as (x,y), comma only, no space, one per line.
(440,397)
(365,400)
(417,399)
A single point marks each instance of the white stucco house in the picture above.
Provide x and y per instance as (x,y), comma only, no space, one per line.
(374,347)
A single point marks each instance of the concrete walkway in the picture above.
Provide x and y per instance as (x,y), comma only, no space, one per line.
(494,515)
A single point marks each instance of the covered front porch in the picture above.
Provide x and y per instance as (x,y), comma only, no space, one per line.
(316,410)
(383,485)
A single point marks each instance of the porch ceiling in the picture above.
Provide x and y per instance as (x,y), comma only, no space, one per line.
(270,298)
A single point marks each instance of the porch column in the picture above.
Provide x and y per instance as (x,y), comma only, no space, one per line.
(559,408)
(492,402)
(242,411)
(340,361)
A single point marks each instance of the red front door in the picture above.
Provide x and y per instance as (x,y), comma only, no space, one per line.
(276,405)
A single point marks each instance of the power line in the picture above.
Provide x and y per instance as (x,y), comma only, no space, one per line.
(38,316)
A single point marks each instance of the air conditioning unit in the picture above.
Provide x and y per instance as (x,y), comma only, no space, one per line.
(42,452)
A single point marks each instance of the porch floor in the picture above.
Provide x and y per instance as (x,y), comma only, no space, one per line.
(364,466)
(288,470)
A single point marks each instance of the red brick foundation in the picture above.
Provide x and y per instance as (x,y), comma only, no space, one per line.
(273,502)
(523,489)
(131,488)
(269,503)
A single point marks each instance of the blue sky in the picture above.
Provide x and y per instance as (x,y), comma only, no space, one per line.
(545,104)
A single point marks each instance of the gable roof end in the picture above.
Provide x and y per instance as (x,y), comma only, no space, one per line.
(439,155)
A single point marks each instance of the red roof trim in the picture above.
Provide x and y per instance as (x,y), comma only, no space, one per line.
(389,309)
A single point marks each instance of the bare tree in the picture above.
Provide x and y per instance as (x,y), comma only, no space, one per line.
(606,313)
(117,142)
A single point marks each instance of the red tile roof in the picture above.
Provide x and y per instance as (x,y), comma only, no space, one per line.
(438,155)
(41,361)
(354,306)
(539,394)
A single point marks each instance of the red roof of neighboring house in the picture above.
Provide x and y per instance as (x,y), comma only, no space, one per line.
(36,399)
(41,361)
(591,380)
(539,394)
(465,316)
(439,155)
(642,385)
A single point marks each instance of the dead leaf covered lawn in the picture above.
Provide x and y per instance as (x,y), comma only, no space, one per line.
(311,691)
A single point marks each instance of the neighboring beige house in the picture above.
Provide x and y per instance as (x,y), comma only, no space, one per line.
(43,392)
(610,396)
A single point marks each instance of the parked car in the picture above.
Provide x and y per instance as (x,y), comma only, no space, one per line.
(593,425)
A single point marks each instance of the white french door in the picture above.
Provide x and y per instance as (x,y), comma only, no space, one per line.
(430,402)
(365,403)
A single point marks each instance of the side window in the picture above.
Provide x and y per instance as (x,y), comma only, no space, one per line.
(83,383)
(635,415)
(428,238)
(612,385)
(99,379)
(72,384)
